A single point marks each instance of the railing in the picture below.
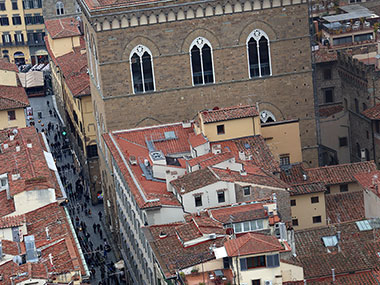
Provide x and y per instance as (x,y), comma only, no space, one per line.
(36,43)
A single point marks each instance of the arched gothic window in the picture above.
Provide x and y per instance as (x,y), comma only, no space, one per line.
(60,8)
(267,117)
(201,61)
(142,69)
(259,54)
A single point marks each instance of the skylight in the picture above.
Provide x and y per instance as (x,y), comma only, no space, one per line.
(330,241)
(364,225)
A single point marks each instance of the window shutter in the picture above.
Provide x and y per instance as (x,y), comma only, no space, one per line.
(276,260)
(273,260)
(243,264)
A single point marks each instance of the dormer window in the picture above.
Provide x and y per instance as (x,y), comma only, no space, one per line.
(3,181)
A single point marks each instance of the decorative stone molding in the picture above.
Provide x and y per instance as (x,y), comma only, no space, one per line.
(162,15)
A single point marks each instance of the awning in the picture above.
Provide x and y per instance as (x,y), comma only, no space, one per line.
(50,161)
(41,52)
(31,79)
(119,265)
(220,252)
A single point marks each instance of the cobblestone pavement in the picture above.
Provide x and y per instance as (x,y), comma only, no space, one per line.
(93,238)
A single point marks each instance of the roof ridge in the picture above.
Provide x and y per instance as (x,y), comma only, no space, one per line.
(340,165)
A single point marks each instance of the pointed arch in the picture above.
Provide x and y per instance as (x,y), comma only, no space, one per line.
(258,52)
(141,65)
(202,66)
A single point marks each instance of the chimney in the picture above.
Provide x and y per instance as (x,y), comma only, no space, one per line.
(333,274)
(18,148)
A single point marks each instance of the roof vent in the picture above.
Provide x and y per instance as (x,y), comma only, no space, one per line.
(133,160)
(15,176)
(304,177)
(182,190)
(163,235)
(18,148)
(216,149)
(5,146)
(29,143)
(212,236)
(11,137)
(186,124)
(242,155)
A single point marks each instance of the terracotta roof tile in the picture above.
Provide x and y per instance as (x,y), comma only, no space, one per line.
(338,174)
(255,150)
(252,243)
(194,180)
(62,27)
(325,55)
(229,113)
(30,163)
(172,255)
(6,205)
(345,207)
(188,231)
(363,278)
(12,221)
(6,65)
(373,113)
(210,159)
(307,188)
(369,181)
(13,97)
(357,250)
(329,110)
(239,213)
(197,140)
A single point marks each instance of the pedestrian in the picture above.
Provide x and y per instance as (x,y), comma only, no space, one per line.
(98,227)
(101,233)
(51,113)
(94,227)
(100,215)
(89,212)
(48,103)
(91,245)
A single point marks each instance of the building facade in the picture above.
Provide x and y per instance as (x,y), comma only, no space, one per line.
(22,31)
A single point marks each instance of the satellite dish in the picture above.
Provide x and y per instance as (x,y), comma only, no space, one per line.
(17,259)
(15,131)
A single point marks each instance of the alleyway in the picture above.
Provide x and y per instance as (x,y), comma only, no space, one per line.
(89,227)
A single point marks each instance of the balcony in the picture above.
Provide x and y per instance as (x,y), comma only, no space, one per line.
(36,43)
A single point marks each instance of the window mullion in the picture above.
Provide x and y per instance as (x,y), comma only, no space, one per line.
(142,73)
(201,58)
(258,56)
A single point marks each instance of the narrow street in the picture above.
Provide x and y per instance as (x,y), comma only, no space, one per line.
(85,217)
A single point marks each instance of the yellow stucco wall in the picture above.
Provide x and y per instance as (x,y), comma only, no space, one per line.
(20,121)
(8,78)
(304,210)
(64,45)
(283,138)
(88,120)
(237,128)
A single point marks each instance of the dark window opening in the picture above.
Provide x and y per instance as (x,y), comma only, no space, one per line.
(221,197)
(295,222)
(142,73)
(247,190)
(317,219)
(327,74)
(293,202)
(343,188)
(343,141)
(329,95)
(314,200)
(11,115)
(198,200)
(220,129)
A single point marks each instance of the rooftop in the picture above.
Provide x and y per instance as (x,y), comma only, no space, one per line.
(357,251)
(6,65)
(252,243)
(229,113)
(240,213)
(25,164)
(13,97)
(345,207)
(194,180)
(329,110)
(307,188)
(63,27)
(373,113)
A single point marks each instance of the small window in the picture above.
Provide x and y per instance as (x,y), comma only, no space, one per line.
(329,95)
(327,190)
(16,20)
(220,129)
(295,222)
(11,115)
(142,69)
(258,49)
(221,197)
(2,6)
(60,8)
(273,260)
(256,282)
(327,74)
(198,200)
(343,141)
(284,159)
(317,219)
(293,202)
(247,190)
(201,61)
(314,200)
(4,21)
(344,188)
(14,5)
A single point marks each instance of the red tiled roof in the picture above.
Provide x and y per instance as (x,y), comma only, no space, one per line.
(329,110)
(62,27)
(12,221)
(194,180)
(74,69)
(6,65)
(239,213)
(307,188)
(325,55)
(254,176)
(345,207)
(252,243)
(188,231)
(358,250)
(172,255)
(342,173)
(255,149)
(30,163)
(369,181)
(210,159)
(373,113)
(12,247)
(207,225)
(197,140)
(6,205)
(13,97)
(229,113)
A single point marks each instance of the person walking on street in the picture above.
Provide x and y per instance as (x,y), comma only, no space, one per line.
(94,227)
(101,233)
(100,215)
